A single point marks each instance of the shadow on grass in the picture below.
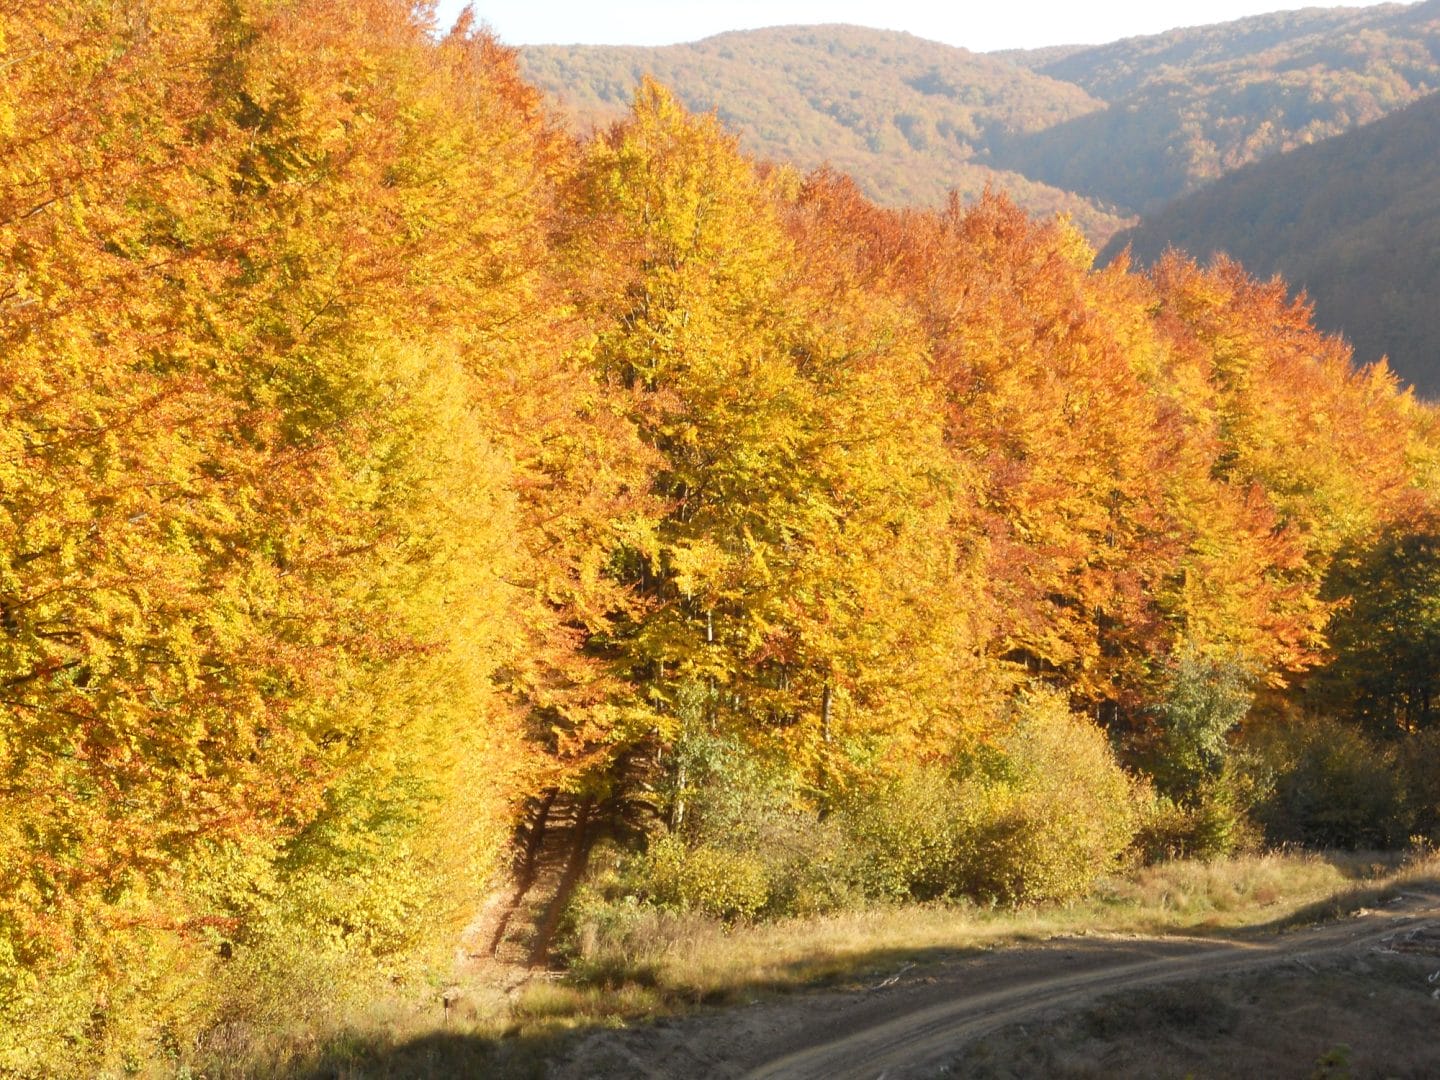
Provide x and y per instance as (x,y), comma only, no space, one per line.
(534,1041)
(873,982)
(1364,894)
(548,1026)
(440,1055)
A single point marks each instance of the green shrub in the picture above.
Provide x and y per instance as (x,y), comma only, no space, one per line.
(725,801)
(1047,812)
(1420,766)
(812,865)
(725,883)
(1333,787)
(1212,824)
(903,829)
(1205,697)
(1038,815)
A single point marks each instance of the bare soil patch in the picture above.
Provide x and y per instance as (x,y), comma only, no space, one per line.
(1351,1016)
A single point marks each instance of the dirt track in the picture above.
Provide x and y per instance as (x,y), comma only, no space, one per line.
(911,1023)
(511,936)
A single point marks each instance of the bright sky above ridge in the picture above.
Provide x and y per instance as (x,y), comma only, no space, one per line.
(1016,24)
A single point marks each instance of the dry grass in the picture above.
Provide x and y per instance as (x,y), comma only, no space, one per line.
(1195,896)
(645,963)
(695,959)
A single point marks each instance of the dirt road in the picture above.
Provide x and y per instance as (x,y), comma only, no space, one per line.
(910,1023)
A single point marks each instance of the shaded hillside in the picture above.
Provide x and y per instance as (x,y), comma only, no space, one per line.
(1190,105)
(1355,221)
(909,118)
(1102,132)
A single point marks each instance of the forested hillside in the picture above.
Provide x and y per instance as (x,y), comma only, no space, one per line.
(910,119)
(1191,105)
(1354,221)
(1102,132)
(376,458)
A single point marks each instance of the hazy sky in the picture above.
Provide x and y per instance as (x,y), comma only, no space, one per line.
(1003,25)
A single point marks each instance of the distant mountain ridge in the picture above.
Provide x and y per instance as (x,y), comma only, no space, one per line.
(1265,137)
(910,119)
(1191,105)
(1353,220)
(1103,133)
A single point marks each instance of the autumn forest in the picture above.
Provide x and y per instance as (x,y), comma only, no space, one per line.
(376,457)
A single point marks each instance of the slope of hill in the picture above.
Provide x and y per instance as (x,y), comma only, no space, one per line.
(1115,70)
(909,118)
(1354,220)
(1103,132)
(1191,105)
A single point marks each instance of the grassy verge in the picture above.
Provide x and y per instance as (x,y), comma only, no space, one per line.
(683,960)
(637,963)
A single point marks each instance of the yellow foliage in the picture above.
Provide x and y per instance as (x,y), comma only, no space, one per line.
(372,456)
(1048,814)
(714,881)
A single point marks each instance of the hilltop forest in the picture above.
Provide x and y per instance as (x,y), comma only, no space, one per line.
(376,457)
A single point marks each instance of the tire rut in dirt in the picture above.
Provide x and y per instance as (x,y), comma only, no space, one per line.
(904,1045)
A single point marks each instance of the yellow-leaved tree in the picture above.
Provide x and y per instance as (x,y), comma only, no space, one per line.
(263,604)
(795,581)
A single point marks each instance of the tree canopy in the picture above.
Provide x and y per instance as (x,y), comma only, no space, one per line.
(374,457)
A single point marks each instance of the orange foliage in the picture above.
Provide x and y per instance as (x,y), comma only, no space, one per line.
(372,455)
